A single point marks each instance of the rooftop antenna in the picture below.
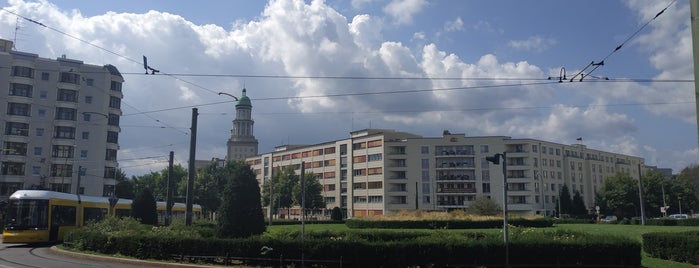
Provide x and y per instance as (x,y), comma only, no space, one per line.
(14,39)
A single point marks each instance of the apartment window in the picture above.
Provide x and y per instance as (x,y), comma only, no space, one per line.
(485,175)
(558,151)
(374,157)
(535,148)
(67,95)
(558,163)
(553,187)
(375,185)
(425,175)
(22,109)
(83,153)
(22,71)
(111,154)
(15,148)
(550,151)
(36,170)
(61,170)
(425,187)
(113,137)
(486,187)
(13,168)
(63,151)
(375,171)
(359,145)
(41,113)
(536,162)
(39,132)
(425,164)
(359,159)
(14,128)
(113,120)
(22,90)
(86,135)
(543,149)
(38,150)
(66,114)
(45,76)
(90,82)
(71,78)
(484,148)
(375,199)
(329,150)
(374,143)
(87,117)
(114,102)
(116,86)
(61,132)
(425,149)
(88,99)
(359,172)
(43,94)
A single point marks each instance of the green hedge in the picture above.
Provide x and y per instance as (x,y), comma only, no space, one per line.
(446,224)
(681,246)
(673,222)
(388,248)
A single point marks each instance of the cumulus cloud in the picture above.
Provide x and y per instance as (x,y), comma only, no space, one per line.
(402,11)
(454,26)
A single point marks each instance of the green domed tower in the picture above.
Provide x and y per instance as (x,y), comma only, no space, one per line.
(242,143)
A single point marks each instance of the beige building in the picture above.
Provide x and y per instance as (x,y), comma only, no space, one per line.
(378,171)
(60,122)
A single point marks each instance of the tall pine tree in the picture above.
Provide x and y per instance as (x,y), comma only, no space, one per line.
(566,202)
(144,207)
(241,210)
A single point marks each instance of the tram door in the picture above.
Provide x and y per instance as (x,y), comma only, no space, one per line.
(60,216)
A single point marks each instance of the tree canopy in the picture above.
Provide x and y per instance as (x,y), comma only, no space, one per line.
(144,207)
(240,211)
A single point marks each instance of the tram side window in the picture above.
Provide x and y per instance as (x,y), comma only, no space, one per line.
(94,214)
(62,216)
(121,213)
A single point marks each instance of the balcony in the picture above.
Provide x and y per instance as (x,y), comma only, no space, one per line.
(455,165)
(455,178)
(456,190)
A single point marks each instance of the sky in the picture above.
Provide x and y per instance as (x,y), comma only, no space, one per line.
(317,70)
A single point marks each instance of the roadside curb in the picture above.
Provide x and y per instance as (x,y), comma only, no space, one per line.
(58,251)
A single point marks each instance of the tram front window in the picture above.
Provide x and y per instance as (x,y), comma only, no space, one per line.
(27,214)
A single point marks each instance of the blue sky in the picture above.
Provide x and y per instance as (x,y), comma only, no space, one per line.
(510,46)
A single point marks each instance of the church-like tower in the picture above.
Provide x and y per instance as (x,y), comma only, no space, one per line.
(242,143)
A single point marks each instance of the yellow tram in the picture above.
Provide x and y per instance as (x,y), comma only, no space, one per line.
(34,216)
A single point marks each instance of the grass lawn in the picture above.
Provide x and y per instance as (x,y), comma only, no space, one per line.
(632,231)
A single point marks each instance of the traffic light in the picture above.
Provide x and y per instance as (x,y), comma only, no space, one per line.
(495,159)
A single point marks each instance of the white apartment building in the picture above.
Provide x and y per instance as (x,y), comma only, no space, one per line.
(378,171)
(61,124)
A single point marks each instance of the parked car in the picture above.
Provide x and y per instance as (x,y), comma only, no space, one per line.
(609,219)
(679,216)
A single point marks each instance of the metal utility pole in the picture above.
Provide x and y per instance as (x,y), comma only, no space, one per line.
(694,17)
(496,160)
(170,191)
(640,196)
(190,180)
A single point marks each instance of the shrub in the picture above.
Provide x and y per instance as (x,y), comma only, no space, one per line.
(681,247)
(336,214)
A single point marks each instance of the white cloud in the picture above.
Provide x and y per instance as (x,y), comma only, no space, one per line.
(454,26)
(402,11)
(533,43)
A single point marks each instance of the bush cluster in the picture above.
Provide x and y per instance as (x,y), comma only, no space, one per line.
(447,224)
(366,248)
(681,246)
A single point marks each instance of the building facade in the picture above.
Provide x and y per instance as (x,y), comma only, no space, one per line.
(377,171)
(242,143)
(61,124)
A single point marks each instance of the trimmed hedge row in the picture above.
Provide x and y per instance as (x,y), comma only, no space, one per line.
(681,246)
(386,249)
(671,222)
(447,224)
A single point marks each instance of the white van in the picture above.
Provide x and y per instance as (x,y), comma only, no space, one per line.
(679,216)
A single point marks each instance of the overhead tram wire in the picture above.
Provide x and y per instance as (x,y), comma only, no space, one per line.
(630,80)
(595,66)
(352,94)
